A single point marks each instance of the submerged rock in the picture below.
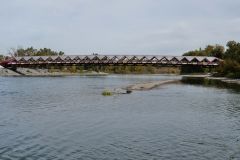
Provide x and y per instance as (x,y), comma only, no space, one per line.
(116,91)
(122,91)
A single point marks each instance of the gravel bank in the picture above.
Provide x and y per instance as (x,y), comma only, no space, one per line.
(44,72)
(150,85)
(7,72)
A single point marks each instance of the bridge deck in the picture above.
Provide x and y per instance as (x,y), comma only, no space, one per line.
(115,59)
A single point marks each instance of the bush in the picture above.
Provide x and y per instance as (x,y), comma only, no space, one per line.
(229,68)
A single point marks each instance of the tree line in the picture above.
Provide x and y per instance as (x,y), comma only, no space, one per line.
(30,51)
(210,50)
(34,52)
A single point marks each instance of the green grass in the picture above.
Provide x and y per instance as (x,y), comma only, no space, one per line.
(107,93)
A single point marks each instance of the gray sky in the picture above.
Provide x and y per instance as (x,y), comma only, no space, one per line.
(168,27)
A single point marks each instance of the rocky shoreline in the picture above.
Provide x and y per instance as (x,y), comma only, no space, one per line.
(45,72)
(7,72)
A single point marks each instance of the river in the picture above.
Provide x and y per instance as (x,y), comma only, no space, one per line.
(67,118)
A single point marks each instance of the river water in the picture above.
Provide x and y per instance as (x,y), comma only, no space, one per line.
(67,118)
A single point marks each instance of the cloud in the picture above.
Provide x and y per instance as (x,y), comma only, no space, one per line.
(113,27)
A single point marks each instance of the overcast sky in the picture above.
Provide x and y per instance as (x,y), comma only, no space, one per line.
(167,27)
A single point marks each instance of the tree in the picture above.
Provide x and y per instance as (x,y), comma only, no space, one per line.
(218,51)
(233,51)
(210,50)
(1,57)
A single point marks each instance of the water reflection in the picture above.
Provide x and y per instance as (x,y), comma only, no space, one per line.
(211,83)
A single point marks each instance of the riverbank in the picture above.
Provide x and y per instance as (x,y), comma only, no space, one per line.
(7,72)
(45,72)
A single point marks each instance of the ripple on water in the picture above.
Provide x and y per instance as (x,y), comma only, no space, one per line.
(67,118)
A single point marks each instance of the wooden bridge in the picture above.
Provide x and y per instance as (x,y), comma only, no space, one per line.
(111,60)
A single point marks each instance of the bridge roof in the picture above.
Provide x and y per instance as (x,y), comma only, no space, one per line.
(121,58)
